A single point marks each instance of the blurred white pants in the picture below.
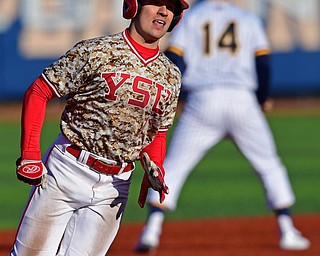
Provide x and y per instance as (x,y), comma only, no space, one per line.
(209,116)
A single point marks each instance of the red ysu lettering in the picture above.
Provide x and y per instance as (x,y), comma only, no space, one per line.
(146,94)
(113,87)
(116,80)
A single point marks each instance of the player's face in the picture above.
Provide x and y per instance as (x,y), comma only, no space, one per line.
(152,22)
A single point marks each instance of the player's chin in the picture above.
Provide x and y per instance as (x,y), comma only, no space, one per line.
(162,33)
(159,30)
(155,35)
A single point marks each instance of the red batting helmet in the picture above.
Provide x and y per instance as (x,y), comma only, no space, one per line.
(132,7)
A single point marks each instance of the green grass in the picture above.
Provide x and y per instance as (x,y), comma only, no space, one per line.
(222,184)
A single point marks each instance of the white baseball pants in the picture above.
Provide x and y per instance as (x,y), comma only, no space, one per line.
(78,212)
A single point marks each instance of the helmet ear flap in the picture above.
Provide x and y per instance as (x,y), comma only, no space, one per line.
(183,5)
(130,9)
(174,22)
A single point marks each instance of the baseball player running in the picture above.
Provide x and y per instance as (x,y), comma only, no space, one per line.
(220,47)
(121,95)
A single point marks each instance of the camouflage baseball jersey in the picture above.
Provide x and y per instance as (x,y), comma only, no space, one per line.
(116,101)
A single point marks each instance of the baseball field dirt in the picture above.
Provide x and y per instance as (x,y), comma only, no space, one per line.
(248,236)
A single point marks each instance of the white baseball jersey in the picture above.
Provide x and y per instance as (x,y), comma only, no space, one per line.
(219,42)
(226,33)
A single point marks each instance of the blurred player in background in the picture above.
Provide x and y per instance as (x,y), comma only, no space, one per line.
(121,94)
(223,54)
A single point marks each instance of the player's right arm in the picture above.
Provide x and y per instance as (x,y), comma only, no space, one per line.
(33,112)
(30,169)
(49,85)
(263,75)
(262,53)
(175,54)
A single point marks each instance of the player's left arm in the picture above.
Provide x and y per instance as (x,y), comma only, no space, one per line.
(152,158)
(262,61)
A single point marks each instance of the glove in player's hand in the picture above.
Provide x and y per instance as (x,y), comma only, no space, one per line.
(154,178)
(31,172)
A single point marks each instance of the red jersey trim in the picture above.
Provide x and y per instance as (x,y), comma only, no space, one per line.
(136,51)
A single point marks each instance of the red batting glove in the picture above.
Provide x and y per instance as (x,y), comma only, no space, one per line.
(32,172)
(143,191)
(152,178)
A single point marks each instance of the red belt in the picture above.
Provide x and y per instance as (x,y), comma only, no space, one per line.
(97,164)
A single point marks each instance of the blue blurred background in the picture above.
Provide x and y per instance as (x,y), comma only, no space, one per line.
(34,33)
